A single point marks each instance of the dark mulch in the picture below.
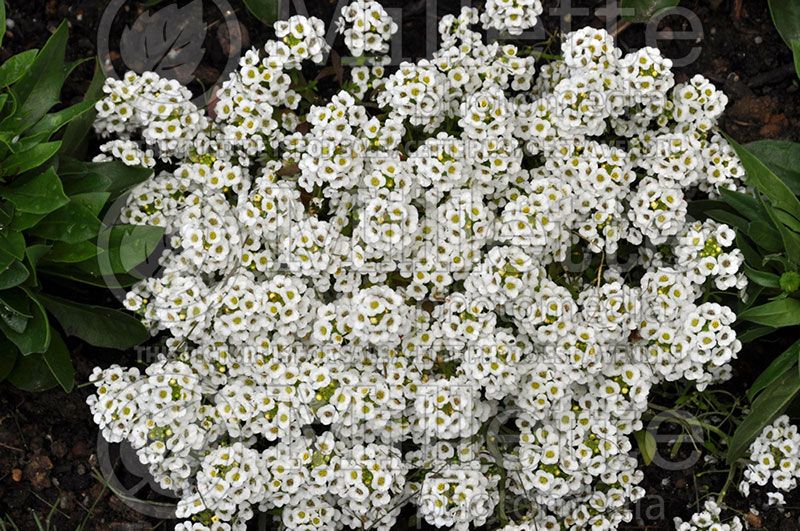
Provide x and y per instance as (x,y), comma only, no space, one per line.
(48,444)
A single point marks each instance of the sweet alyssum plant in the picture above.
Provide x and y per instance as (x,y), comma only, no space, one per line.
(450,285)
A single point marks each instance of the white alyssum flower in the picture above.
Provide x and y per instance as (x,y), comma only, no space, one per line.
(359,290)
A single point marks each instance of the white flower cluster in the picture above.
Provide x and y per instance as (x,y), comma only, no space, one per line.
(709,518)
(358,299)
(774,460)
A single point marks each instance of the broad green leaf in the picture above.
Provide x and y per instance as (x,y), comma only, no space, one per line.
(40,194)
(16,67)
(32,374)
(87,275)
(13,276)
(647,445)
(30,158)
(786,16)
(36,335)
(791,240)
(267,11)
(93,201)
(71,223)
(758,332)
(760,176)
(58,361)
(782,157)
(743,204)
(15,311)
(644,10)
(74,138)
(777,313)
(126,247)
(97,325)
(8,357)
(70,253)
(39,89)
(765,236)
(120,176)
(52,122)
(766,407)
(13,243)
(23,220)
(33,254)
(776,369)
(763,278)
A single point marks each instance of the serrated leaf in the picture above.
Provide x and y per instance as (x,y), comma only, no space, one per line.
(39,194)
(169,42)
(777,313)
(644,10)
(766,407)
(97,325)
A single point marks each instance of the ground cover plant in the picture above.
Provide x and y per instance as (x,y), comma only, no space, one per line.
(461,293)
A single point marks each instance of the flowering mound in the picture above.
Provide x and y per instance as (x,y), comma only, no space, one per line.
(452,284)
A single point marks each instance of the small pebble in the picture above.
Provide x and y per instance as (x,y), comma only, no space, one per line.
(10,23)
(16,475)
(759,39)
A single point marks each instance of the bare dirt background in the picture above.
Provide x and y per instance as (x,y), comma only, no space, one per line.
(48,443)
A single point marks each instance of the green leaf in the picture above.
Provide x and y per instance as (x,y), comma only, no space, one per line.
(32,374)
(786,16)
(93,201)
(760,176)
(119,176)
(36,335)
(754,333)
(743,204)
(15,312)
(52,122)
(791,240)
(776,369)
(782,157)
(766,407)
(267,11)
(34,157)
(40,194)
(13,243)
(15,275)
(127,246)
(86,275)
(647,445)
(76,133)
(70,253)
(39,89)
(763,278)
(16,67)
(8,357)
(795,46)
(777,313)
(71,223)
(644,10)
(97,325)
(765,235)
(58,361)
(33,254)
